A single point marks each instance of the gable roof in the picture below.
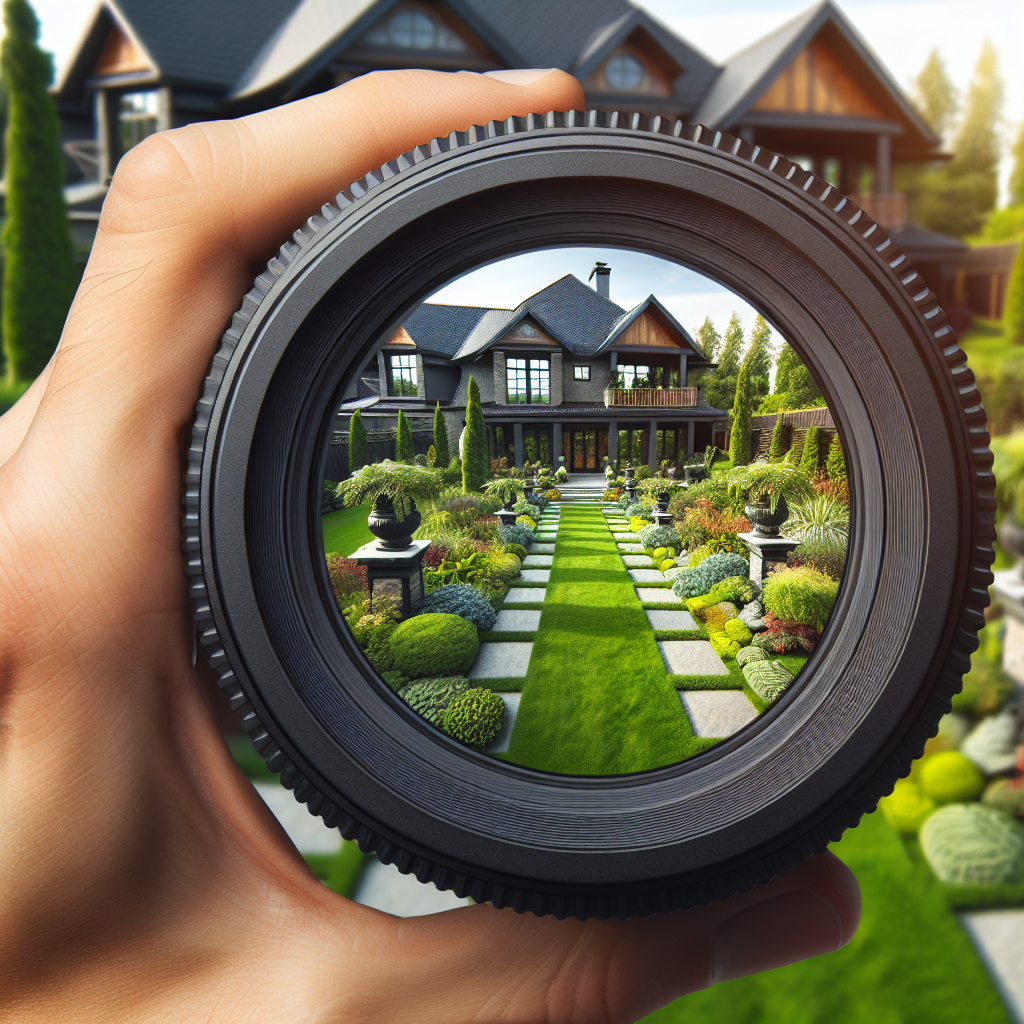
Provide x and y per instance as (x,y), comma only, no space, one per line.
(623,323)
(747,75)
(441,330)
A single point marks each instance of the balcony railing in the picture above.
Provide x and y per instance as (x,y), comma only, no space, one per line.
(648,397)
(889,209)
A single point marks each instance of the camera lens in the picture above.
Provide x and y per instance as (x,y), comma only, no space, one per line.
(540,585)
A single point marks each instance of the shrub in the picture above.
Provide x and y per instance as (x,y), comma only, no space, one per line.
(434,556)
(749,654)
(347,578)
(659,536)
(992,744)
(528,521)
(986,690)
(717,615)
(485,528)
(502,567)
(561,474)
(431,697)
(358,447)
(970,844)
(394,679)
(906,808)
(667,564)
(444,456)
(624,501)
(373,631)
(698,555)
(488,504)
(1006,795)
(329,500)
(404,450)
(658,554)
(810,458)
(611,494)
(723,645)
(801,594)
(712,570)
(553,494)
(835,464)
(636,509)
(476,466)
(782,637)
(452,475)
(736,629)
(828,560)
(950,777)
(777,448)
(738,589)
(516,534)
(433,644)
(475,717)
(460,599)
(768,679)
(518,550)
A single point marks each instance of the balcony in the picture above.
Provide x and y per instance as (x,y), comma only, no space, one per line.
(888,209)
(651,397)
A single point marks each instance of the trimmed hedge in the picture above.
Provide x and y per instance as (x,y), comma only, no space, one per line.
(434,644)
(951,777)
(801,594)
(475,717)
(431,697)
(659,537)
(713,569)
(463,600)
(768,679)
(906,808)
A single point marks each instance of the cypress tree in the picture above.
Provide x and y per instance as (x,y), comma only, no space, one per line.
(836,462)
(1013,309)
(742,407)
(1017,174)
(708,338)
(803,392)
(39,276)
(720,387)
(785,364)
(404,450)
(777,449)
(358,449)
(475,464)
(809,458)
(759,355)
(441,438)
(935,94)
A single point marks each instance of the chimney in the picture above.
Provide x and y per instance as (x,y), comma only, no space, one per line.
(604,273)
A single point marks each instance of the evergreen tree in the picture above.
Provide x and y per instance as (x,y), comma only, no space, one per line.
(809,458)
(796,449)
(404,449)
(358,449)
(936,95)
(720,387)
(39,275)
(759,355)
(739,439)
(1013,308)
(444,455)
(803,392)
(785,363)
(1017,174)
(777,449)
(836,462)
(475,464)
(709,339)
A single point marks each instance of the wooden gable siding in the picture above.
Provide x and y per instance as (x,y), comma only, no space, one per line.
(121,56)
(818,81)
(517,337)
(400,338)
(646,332)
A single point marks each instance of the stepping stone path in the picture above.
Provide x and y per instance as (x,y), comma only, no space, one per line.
(638,561)
(542,549)
(691,658)
(646,576)
(503,660)
(717,713)
(631,547)
(534,575)
(538,561)
(499,745)
(516,620)
(524,595)
(656,595)
(626,536)
(670,620)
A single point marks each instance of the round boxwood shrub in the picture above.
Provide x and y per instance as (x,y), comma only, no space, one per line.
(713,569)
(749,654)
(801,594)
(950,777)
(518,550)
(434,645)
(1006,795)
(475,717)
(659,536)
(970,844)
(431,697)
(516,534)
(768,679)
(463,600)
(504,568)
(906,808)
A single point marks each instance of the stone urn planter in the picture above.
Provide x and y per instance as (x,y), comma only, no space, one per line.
(663,499)
(507,516)
(630,473)
(1011,536)
(694,474)
(392,533)
(765,522)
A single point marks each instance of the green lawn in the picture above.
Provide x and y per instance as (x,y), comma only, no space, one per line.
(346,530)
(910,962)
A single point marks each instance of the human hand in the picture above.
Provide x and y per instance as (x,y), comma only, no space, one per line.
(142,877)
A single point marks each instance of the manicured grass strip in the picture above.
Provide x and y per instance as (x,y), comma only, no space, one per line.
(910,961)
(680,634)
(494,636)
(728,682)
(663,606)
(512,684)
(597,699)
(346,530)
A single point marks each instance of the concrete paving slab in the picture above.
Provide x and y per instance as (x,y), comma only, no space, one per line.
(670,620)
(525,595)
(500,744)
(998,936)
(656,595)
(534,575)
(638,561)
(692,658)
(646,576)
(500,660)
(308,833)
(385,888)
(717,713)
(626,536)
(538,561)
(631,546)
(516,620)
(539,548)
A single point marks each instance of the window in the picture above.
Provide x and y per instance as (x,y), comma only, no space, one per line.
(581,373)
(527,330)
(414,30)
(137,117)
(403,375)
(528,381)
(634,376)
(624,72)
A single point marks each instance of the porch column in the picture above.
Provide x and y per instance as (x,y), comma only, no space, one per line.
(883,165)
(517,439)
(652,446)
(382,374)
(689,437)
(613,441)
(629,444)
(682,369)
(556,445)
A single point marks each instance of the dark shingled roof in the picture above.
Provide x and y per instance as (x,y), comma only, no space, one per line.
(440,330)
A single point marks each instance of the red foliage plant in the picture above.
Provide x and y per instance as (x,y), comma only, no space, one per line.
(434,556)
(840,489)
(778,631)
(714,521)
(347,578)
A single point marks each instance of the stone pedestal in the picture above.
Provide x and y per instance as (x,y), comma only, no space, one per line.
(396,573)
(661,518)
(1009,592)
(766,553)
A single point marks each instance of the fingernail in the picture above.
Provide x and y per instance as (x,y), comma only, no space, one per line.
(780,931)
(520,76)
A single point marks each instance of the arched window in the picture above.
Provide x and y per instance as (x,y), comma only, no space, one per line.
(624,72)
(411,29)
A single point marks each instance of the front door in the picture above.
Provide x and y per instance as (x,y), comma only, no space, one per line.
(583,450)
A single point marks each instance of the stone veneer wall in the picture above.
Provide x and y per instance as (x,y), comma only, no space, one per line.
(585,390)
(500,390)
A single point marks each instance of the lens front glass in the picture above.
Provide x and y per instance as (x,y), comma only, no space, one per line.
(586,511)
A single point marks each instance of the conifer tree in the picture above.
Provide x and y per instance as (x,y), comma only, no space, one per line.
(786,361)
(404,449)
(709,339)
(836,462)
(739,438)
(759,355)
(1013,308)
(475,464)
(777,448)
(720,387)
(1016,183)
(441,438)
(935,94)
(809,458)
(39,274)
(358,448)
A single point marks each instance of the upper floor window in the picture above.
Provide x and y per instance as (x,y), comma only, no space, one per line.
(624,72)
(414,30)
(403,375)
(581,373)
(137,116)
(634,376)
(528,381)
